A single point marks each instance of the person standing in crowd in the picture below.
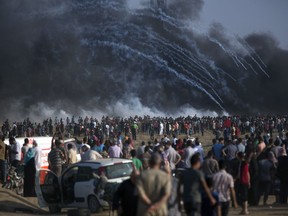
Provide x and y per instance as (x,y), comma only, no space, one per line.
(29,173)
(210,165)
(224,186)
(260,146)
(266,175)
(140,149)
(89,154)
(15,152)
(127,147)
(230,150)
(145,158)
(154,187)
(137,162)
(114,151)
(56,158)
(173,157)
(206,208)
(240,146)
(25,147)
(72,156)
(217,148)
(188,153)
(125,200)
(4,162)
(244,185)
(192,181)
(282,173)
(199,149)
(37,155)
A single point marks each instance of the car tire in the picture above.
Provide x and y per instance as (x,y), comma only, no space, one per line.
(94,205)
(54,209)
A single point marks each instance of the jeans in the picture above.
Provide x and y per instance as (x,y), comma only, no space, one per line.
(225,208)
(4,171)
(283,191)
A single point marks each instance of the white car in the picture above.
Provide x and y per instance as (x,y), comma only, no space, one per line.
(78,185)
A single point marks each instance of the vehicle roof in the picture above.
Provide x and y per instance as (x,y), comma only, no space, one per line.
(106,161)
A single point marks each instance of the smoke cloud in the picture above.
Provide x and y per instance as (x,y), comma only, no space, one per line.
(119,57)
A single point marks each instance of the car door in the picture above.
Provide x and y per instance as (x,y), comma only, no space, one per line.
(47,188)
(84,185)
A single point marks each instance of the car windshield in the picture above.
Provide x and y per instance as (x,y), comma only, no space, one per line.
(118,170)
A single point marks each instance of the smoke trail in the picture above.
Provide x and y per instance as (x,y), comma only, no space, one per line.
(74,55)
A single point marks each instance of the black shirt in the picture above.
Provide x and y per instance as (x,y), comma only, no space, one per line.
(126,196)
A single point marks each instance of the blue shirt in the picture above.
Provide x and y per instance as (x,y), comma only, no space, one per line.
(217,150)
(99,148)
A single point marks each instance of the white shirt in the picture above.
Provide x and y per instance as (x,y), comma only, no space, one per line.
(223,182)
(17,148)
(90,155)
(188,153)
(37,157)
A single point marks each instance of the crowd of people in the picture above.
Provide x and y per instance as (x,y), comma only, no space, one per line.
(237,170)
(173,171)
(110,126)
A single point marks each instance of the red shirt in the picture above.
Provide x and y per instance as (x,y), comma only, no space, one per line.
(244,173)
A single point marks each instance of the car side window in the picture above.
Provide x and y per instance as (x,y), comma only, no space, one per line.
(84,174)
(69,177)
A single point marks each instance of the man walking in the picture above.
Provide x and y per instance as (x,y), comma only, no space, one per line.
(224,186)
(192,180)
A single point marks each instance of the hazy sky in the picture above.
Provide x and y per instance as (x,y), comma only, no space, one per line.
(243,17)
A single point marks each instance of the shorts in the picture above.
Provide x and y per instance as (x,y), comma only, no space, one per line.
(243,192)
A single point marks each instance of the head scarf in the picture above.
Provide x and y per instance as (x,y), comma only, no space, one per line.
(29,155)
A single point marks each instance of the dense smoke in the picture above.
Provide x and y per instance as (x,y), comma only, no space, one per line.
(141,57)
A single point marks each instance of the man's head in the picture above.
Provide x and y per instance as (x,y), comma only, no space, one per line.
(155,161)
(222,165)
(167,144)
(271,141)
(12,140)
(221,140)
(58,142)
(195,161)
(143,143)
(189,143)
(35,144)
(85,148)
(210,154)
(26,141)
(133,153)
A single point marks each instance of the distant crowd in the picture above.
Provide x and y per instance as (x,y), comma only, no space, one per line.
(110,126)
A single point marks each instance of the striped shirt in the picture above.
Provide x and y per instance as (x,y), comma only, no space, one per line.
(223,182)
(56,157)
